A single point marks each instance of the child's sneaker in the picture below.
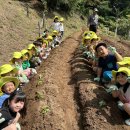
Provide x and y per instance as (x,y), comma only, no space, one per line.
(120,105)
(127,122)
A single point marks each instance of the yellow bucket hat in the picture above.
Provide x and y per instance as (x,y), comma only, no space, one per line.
(45,41)
(86,38)
(30,46)
(16,55)
(94,36)
(125,61)
(49,38)
(89,33)
(121,69)
(61,19)
(56,17)
(24,51)
(54,33)
(6,68)
(40,39)
(7,79)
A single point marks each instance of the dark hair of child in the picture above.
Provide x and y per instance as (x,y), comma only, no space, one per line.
(122,73)
(4,86)
(56,19)
(19,96)
(46,31)
(100,44)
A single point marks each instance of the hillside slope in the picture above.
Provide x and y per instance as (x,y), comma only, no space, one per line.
(17,30)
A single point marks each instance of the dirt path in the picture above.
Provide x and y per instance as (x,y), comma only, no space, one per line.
(89,94)
(54,94)
(63,95)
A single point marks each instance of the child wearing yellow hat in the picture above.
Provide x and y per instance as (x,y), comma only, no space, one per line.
(8,70)
(56,39)
(14,107)
(107,62)
(34,60)
(122,89)
(16,61)
(29,72)
(61,28)
(44,49)
(88,33)
(125,62)
(55,24)
(45,33)
(49,40)
(8,85)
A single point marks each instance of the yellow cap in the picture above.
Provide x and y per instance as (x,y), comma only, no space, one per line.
(24,51)
(125,61)
(49,38)
(45,41)
(30,46)
(6,68)
(89,33)
(16,55)
(6,79)
(40,38)
(94,36)
(61,19)
(121,69)
(56,17)
(86,38)
(54,33)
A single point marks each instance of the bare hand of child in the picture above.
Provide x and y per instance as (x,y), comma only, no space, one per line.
(15,120)
(115,93)
(112,49)
(122,98)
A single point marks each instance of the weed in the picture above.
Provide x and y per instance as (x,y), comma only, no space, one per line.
(44,110)
(39,95)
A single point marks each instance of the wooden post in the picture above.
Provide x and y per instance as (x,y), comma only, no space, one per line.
(27,9)
(116,28)
(43,19)
(39,29)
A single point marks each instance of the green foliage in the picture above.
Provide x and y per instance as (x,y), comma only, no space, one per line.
(44,110)
(109,11)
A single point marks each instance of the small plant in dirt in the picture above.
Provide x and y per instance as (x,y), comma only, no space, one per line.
(39,95)
(102,103)
(40,80)
(45,110)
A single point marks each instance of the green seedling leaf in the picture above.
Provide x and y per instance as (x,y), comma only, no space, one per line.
(40,82)
(39,95)
(102,103)
(45,110)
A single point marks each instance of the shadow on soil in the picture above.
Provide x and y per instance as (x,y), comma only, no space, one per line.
(82,78)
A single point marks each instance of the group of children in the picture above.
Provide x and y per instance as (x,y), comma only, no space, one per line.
(110,67)
(20,69)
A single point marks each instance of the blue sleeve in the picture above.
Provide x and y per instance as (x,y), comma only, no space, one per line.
(3,98)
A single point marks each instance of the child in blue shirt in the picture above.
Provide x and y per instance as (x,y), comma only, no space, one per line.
(107,61)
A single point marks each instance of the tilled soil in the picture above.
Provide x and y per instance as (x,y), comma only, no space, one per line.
(56,94)
(89,94)
(63,95)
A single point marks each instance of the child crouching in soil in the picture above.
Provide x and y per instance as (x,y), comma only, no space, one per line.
(16,61)
(122,89)
(13,108)
(8,85)
(107,62)
(29,72)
